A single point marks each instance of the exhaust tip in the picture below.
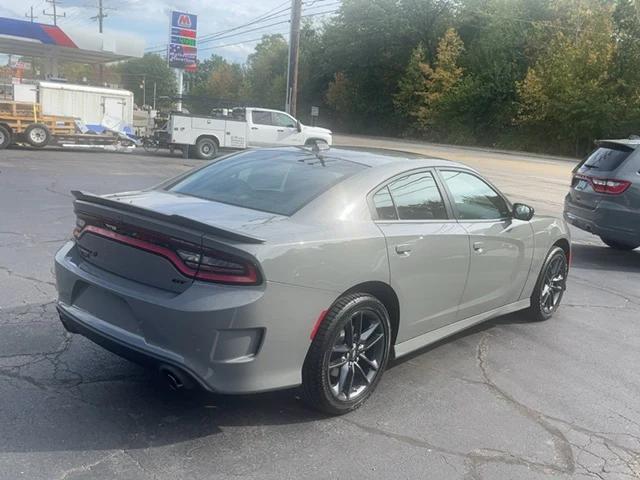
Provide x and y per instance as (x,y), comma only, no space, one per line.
(175,379)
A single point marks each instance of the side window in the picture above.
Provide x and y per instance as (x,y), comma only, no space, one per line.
(384,205)
(417,197)
(283,120)
(474,199)
(261,118)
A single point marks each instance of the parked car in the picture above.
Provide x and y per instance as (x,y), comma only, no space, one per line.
(275,268)
(240,128)
(604,198)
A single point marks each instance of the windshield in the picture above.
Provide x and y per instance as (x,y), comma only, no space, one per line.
(269,181)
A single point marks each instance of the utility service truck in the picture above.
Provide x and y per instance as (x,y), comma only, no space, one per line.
(239,128)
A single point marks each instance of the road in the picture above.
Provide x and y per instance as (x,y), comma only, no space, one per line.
(506,400)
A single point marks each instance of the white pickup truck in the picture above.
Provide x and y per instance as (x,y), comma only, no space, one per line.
(240,128)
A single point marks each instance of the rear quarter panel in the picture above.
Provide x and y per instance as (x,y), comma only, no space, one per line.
(546,232)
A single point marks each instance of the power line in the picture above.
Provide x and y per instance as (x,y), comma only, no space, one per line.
(162,47)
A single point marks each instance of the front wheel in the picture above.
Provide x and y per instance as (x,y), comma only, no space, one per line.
(550,287)
(619,245)
(348,355)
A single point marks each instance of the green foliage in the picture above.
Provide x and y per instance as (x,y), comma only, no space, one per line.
(266,75)
(570,93)
(216,83)
(548,75)
(151,68)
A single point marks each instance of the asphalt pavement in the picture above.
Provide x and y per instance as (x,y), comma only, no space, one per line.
(505,400)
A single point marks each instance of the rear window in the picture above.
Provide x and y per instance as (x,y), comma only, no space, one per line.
(267,180)
(607,158)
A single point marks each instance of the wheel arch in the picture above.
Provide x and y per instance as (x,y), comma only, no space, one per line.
(210,136)
(387,295)
(564,244)
(313,140)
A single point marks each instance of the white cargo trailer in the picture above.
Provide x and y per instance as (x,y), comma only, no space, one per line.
(90,104)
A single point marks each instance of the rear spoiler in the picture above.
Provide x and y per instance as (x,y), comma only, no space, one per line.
(84,197)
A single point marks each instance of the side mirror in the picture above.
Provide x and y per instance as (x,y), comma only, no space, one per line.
(523,212)
(299,126)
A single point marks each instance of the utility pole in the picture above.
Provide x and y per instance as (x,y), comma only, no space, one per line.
(100,17)
(294,48)
(30,15)
(55,15)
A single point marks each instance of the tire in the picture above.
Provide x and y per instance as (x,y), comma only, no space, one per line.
(5,138)
(358,370)
(37,135)
(550,286)
(206,148)
(619,245)
(150,145)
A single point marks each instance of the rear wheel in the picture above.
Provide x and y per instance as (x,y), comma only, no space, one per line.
(348,355)
(550,287)
(619,245)
(5,137)
(37,135)
(206,148)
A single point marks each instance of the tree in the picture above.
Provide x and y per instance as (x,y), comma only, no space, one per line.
(370,42)
(412,84)
(571,95)
(150,68)
(423,88)
(266,72)
(218,84)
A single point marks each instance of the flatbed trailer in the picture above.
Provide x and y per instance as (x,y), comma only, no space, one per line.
(23,122)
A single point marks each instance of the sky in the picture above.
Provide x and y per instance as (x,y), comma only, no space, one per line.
(150,19)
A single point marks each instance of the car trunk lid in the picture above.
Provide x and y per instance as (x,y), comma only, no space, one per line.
(147,237)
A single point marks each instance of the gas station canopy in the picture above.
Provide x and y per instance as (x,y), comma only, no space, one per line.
(30,39)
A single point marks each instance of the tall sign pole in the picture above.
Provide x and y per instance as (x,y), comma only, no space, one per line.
(294,47)
(182,51)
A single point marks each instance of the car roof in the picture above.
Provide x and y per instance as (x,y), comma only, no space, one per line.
(627,142)
(376,157)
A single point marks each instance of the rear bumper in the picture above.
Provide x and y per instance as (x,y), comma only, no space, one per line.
(608,220)
(227,339)
(134,353)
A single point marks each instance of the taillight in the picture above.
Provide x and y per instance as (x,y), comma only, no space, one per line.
(606,185)
(190,259)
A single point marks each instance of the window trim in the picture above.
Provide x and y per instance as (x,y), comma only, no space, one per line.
(386,183)
(450,196)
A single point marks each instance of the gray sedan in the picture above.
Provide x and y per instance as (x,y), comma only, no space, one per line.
(276,268)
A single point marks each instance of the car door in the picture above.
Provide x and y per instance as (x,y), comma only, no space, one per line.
(428,251)
(287,129)
(501,247)
(262,133)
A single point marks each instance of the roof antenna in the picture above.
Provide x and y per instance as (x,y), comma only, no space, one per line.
(317,148)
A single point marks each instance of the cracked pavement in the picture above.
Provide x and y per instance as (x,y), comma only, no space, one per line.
(505,400)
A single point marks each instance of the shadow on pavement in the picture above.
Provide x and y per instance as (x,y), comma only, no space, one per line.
(604,258)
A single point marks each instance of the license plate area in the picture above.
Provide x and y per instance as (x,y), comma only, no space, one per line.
(105,306)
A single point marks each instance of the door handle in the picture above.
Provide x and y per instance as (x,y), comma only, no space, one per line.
(254,128)
(280,130)
(478,247)
(403,249)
